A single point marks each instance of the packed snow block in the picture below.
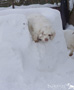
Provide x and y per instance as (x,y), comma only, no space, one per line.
(22,60)
(41,56)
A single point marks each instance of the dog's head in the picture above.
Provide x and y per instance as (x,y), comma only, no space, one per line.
(46,35)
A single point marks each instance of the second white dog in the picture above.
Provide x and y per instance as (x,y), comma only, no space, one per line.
(69,37)
(40,28)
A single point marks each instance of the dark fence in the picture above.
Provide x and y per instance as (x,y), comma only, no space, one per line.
(26,2)
(40,1)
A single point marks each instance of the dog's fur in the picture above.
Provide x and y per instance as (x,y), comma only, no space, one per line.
(69,37)
(40,28)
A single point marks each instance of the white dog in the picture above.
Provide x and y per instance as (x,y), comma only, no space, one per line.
(40,28)
(69,37)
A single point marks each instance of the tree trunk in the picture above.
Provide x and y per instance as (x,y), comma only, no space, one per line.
(64,12)
(13,4)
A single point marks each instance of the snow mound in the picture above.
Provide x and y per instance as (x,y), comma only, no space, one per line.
(25,64)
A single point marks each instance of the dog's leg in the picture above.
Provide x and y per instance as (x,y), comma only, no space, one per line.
(34,37)
(71,53)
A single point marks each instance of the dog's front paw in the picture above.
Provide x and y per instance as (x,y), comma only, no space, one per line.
(70,54)
(36,41)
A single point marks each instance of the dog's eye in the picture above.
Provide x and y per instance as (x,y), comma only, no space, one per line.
(49,35)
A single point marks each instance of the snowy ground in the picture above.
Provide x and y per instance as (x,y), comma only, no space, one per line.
(26,65)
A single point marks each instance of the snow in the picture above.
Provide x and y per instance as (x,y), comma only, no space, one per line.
(71,4)
(26,65)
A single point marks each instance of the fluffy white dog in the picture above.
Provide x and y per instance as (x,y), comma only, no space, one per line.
(40,28)
(69,37)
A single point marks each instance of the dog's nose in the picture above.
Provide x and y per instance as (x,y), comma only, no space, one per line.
(46,39)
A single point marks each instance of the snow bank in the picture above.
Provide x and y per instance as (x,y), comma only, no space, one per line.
(25,64)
